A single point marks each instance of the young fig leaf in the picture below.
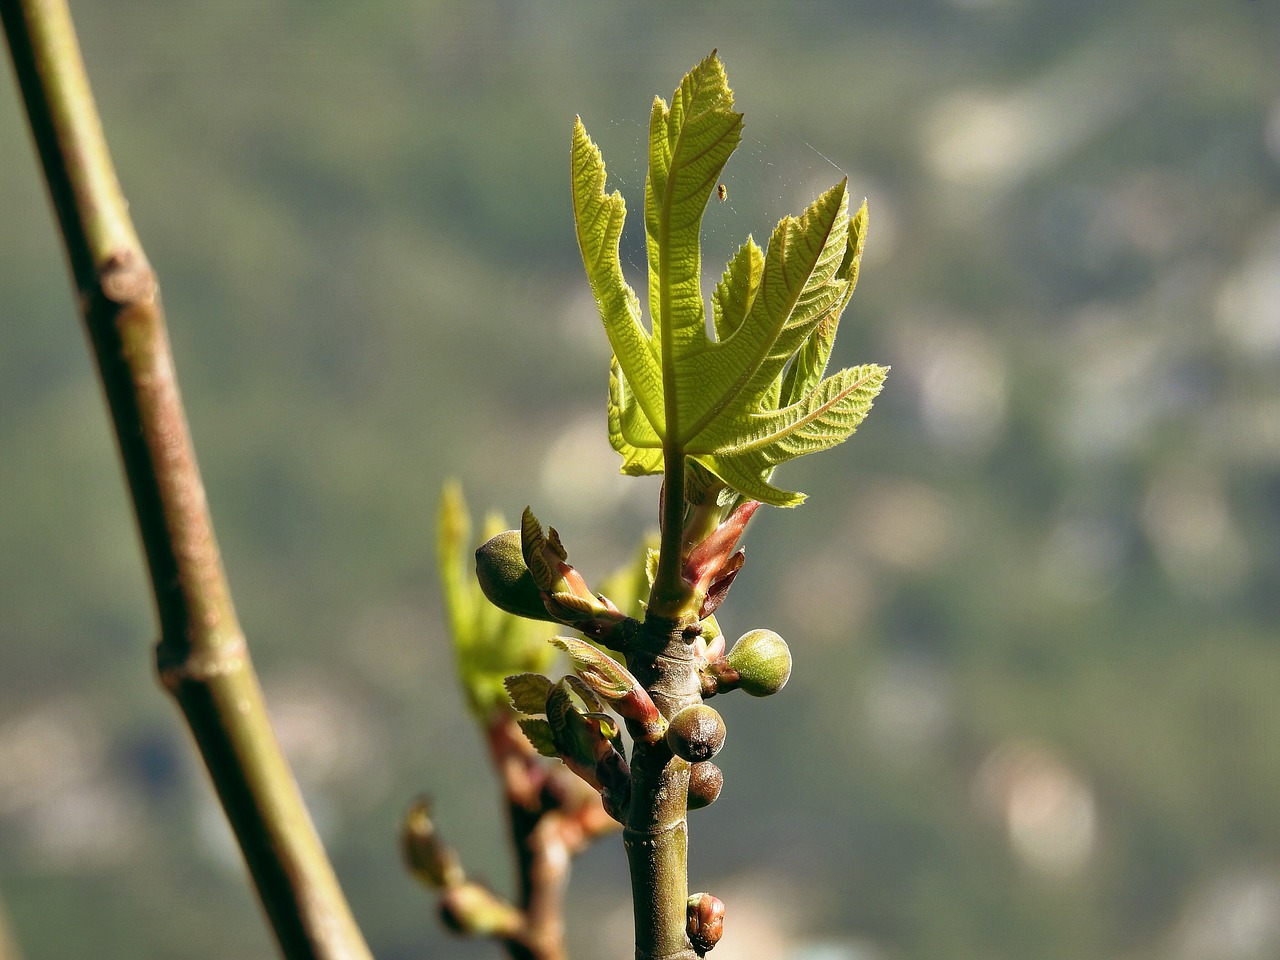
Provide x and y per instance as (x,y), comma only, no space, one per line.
(754,396)
(605,676)
(612,682)
(538,732)
(528,692)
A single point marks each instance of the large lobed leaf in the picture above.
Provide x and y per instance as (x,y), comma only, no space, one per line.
(755,396)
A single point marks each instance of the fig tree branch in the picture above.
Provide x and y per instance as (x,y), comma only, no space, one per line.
(201,656)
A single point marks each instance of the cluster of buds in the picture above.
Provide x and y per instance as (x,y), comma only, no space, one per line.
(567,719)
(759,663)
(527,572)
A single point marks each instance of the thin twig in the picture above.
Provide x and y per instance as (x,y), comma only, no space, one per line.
(553,816)
(201,656)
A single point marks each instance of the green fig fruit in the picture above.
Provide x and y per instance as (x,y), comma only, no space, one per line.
(762,661)
(696,733)
(506,580)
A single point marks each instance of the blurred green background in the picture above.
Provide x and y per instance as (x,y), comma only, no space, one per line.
(1034,604)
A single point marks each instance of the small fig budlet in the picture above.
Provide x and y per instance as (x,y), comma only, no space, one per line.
(696,733)
(762,661)
(705,924)
(705,783)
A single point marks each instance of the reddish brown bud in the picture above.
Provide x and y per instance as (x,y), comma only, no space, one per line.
(705,925)
(705,781)
(710,559)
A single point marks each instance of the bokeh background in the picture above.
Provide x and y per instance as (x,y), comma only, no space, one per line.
(1034,604)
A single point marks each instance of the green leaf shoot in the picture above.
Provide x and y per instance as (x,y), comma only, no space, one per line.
(755,396)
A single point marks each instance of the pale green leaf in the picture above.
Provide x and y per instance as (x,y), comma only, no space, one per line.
(806,371)
(826,417)
(528,692)
(751,484)
(737,288)
(689,144)
(755,395)
(630,432)
(598,219)
(797,286)
(538,732)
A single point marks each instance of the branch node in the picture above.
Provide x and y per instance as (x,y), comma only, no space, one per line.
(127,279)
(179,666)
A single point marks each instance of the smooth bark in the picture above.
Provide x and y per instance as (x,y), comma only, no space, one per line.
(201,656)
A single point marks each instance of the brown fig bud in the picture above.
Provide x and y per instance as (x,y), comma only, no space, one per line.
(705,925)
(705,781)
(762,661)
(506,580)
(696,733)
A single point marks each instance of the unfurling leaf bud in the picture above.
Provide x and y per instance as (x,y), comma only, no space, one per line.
(611,681)
(547,560)
(705,925)
(714,560)
(432,860)
(762,662)
(526,572)
(705,781)
(696,733)
(506,580)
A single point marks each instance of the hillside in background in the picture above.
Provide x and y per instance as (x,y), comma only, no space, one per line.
(1032,604)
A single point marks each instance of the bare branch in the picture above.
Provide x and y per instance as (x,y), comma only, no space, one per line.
(201,656)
